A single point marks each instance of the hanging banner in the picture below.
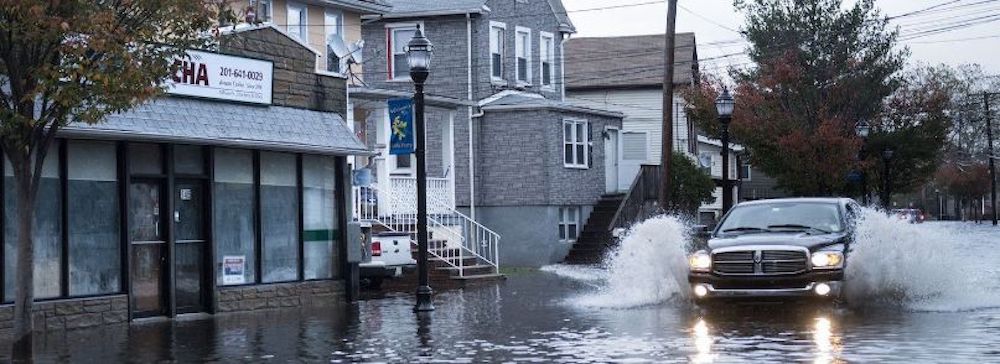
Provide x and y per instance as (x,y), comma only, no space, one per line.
(401,126)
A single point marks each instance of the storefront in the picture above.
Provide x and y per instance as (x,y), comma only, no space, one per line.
(196,204)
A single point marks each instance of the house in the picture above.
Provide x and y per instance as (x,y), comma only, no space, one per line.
(596,77)
(226,194)
(507,158)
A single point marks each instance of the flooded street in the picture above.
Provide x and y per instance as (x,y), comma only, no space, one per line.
(578,315)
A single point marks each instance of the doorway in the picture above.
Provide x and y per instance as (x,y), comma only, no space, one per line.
(149,254)
(190,245)
(611,159)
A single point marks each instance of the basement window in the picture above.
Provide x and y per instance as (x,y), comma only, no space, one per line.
(569,224)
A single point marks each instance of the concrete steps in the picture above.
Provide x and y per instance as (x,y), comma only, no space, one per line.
(595,239)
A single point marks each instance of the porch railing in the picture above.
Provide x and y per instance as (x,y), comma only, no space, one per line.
(640,202)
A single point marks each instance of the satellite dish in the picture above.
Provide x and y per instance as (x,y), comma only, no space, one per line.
(356,51)
(338,47)
(705,160)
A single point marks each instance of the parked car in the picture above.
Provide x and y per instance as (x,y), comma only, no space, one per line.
(913,216)
(387,255)
(784,248)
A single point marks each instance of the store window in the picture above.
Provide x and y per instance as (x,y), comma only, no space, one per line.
(319,233)
(279,211)
(233,216)
(93,224)
(47,230)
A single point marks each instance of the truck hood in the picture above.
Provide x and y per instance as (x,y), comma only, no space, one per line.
(812,242)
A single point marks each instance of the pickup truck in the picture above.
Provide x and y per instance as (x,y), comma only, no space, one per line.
(386,256)
(781,248)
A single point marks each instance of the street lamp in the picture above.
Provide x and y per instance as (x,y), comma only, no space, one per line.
(724,105)
(418,55)
(863,128)
(887,154)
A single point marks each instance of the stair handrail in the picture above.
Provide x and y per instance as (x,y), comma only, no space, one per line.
(633,206)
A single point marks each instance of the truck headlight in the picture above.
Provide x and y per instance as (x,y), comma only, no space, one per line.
(700,261)
(827,260)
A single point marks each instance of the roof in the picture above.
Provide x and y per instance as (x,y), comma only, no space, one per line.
(519,101)
(194,121)
(718,143)
(418,8)
(628,62)
(373,6)
(565,25)
(371,93)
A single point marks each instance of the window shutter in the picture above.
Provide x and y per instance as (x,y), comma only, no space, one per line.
(590,145)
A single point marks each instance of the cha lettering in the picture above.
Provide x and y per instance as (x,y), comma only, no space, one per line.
(190,73)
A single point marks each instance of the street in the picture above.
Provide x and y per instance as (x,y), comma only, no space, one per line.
(554,315)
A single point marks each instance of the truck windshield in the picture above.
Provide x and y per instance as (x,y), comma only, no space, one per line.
(823,217)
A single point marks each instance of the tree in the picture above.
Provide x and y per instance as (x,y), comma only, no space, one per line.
(819,69)
(77,61)
(690,187)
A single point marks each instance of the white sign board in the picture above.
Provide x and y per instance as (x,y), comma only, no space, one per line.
(217,76)
(233,267)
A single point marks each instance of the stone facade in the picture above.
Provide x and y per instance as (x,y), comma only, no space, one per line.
(296,83)
(71,313)
(268,296)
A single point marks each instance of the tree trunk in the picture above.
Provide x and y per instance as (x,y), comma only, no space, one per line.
(25,274)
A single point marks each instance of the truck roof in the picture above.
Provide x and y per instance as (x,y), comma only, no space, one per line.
(831,200)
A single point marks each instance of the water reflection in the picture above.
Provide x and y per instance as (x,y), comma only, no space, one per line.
(828,346)
(702,343)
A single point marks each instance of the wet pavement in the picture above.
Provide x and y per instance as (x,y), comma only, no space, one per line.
(536,316)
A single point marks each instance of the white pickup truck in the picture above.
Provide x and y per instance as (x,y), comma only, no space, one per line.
(386,255)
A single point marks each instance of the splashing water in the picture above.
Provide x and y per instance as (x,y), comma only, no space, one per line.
(923,267)
(648,267)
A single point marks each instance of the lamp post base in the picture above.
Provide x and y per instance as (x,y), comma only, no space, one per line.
(424,303)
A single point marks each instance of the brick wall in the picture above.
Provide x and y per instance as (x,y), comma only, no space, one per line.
(71,313)
(296,83)
(267,296)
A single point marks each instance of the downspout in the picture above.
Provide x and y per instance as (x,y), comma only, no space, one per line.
(472,161)
(562,64)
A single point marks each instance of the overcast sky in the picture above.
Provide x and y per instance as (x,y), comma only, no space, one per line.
(715,23)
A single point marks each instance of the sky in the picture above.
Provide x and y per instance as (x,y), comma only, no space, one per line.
(716,23)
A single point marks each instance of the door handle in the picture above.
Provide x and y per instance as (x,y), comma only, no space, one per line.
(177,216)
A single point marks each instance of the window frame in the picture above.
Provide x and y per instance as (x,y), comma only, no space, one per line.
(304,20)
(500,48)
(575,141)
(390,40)
(550,53)
(565,221)
(520,47)
(264,17)
(338,30)
(646,145)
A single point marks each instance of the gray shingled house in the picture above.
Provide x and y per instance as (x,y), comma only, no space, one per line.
(228,194)
(507,155)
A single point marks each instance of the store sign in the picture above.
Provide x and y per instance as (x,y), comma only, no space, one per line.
(233,268)
(401,125)
(217,76)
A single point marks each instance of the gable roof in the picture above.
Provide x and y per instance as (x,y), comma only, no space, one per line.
(418,8)
(565,25)
(628,62)
(373,6)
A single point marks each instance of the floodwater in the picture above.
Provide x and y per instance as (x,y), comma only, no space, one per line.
(927,293)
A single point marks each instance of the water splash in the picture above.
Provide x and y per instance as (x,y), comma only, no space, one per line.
(648,267)
(923,267)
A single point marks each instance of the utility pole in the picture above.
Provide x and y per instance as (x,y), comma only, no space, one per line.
(667,138)
(991,155)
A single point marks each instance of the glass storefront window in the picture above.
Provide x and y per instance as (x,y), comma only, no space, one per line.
(94,245)
(320,232)
(145,158)
(47,230)
(189,159)
(234,217)
(279,211)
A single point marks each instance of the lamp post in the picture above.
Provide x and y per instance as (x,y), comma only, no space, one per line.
(418,56)
(887,154)
(863,129)
(724,105)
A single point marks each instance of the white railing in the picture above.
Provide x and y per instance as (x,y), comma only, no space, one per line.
(405,188)
(454,237)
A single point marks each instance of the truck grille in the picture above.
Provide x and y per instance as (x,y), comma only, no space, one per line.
(760,262)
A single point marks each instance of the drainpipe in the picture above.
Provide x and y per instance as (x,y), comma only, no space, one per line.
(472,162)
(562,64)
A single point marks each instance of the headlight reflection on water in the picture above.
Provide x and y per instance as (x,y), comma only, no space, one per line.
(702,343)
(827,345)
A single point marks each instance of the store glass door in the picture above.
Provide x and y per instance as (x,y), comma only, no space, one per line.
(190,246)
(149,253)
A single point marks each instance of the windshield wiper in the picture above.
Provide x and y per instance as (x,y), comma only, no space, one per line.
(797,226)
(744,228)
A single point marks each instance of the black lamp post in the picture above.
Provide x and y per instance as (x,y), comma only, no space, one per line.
(418,55)
(887,154)
(724,104)
(863,129)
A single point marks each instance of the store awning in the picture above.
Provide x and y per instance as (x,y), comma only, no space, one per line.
(193,121)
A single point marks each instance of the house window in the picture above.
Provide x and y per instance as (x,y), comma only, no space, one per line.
(404,161)
(497,31)
(635,146)
(399,37)
(576,139)
(745,172)
(298,23)
(546,52)
(569,224)
(705,162)
(262,10)
(335,47)
(522,53)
